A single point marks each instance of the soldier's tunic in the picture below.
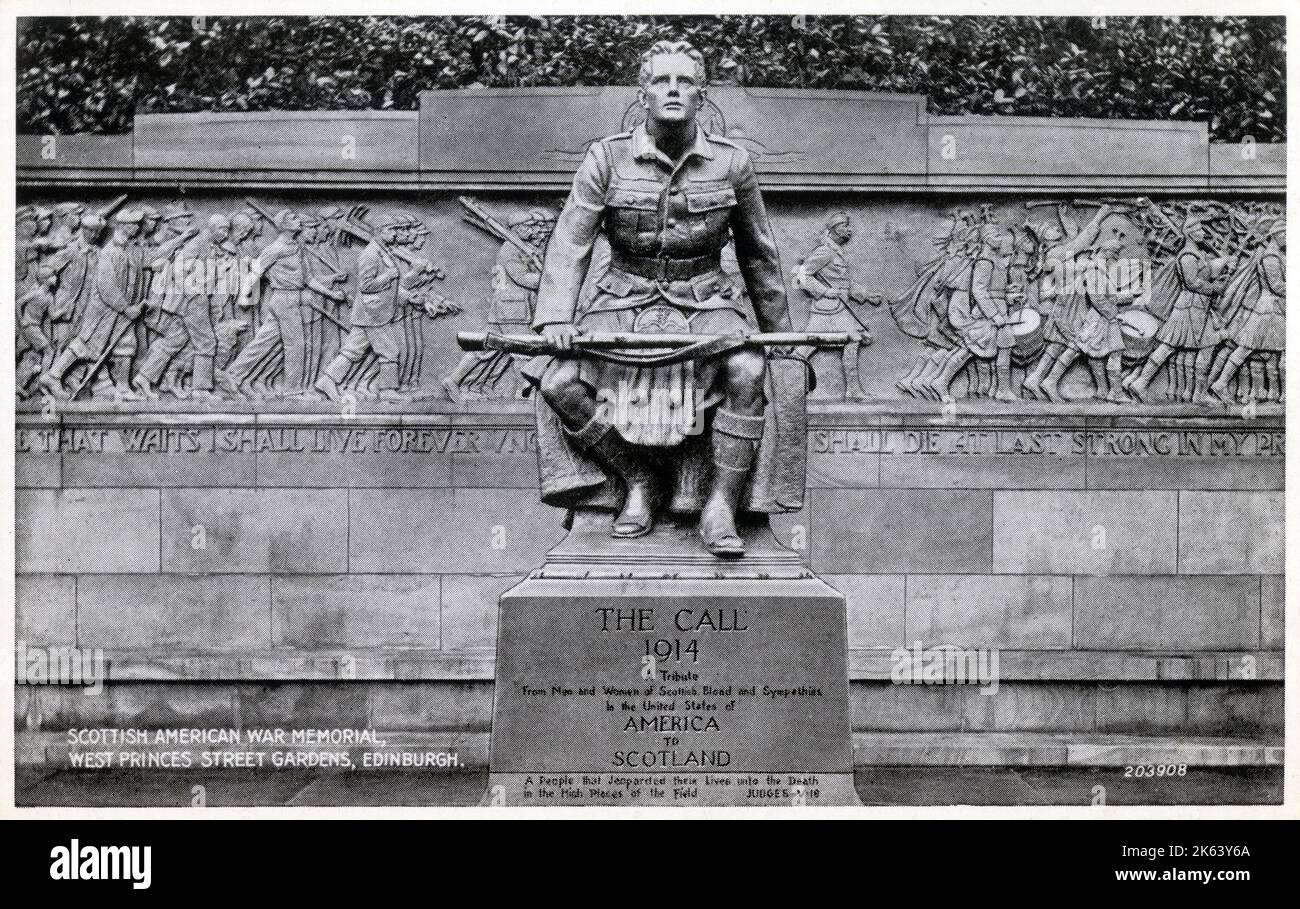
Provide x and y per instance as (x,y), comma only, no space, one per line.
(1063,303)
(185,317)
(972,311)
(1189,325)
(282,266)
(514,296)
(825,277)
(667,224)
(119,282)
(1262,322)
(32,341)
(376,310)
(75,266)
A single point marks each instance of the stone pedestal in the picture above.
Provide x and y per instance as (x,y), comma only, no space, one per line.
(662,676)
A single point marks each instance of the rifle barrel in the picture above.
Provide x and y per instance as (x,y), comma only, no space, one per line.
(477,340)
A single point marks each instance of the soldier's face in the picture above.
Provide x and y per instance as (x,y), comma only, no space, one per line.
(220,232)
(42,226)
(672,94)
(841,233)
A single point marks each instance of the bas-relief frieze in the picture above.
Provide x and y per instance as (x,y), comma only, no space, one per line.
(1119,305)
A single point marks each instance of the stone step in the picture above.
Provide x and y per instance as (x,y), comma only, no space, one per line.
(876,665)
(1042,749)
(870,749)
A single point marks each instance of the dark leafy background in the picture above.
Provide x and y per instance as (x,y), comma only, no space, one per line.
(91,75)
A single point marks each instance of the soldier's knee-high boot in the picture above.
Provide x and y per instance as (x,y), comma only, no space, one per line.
(599,439)
(1200,393)
(955,362)
(1051,385)
(1274,377)
(332,376)
(735,438)
(388,381)
(52,379)
(1115,373)
(1034,381)
(202,378)
(122,379)
(1257,378)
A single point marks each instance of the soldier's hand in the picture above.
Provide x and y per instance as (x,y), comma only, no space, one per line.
(133,312)
(560,335)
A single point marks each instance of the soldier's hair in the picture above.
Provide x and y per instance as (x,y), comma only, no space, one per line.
(660,48)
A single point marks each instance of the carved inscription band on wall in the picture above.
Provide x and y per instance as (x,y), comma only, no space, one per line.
(1122,302)
(347,440)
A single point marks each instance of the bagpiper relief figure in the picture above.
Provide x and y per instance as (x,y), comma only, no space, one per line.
(668,195)
(826,277)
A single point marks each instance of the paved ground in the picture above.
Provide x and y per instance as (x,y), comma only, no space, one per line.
(875,785)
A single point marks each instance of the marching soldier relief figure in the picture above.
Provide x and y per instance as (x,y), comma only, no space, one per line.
(183,315)
(1063,310)
(515,279)
(34,348)
(376,314)
(281,265)
(667,194)
(1257,315)
(74,266)
(1190,325)
(107,325)
(979,314)
(825,276)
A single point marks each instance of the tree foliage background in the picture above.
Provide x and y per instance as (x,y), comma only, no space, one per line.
(92,75)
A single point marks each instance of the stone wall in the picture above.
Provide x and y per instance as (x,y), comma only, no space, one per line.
(294,562)
(1129,572)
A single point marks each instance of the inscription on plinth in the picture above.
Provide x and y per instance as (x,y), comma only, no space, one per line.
(671,692)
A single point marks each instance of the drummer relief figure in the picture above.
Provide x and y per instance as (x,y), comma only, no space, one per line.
(1062,304)
(979,314)
(668,196)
